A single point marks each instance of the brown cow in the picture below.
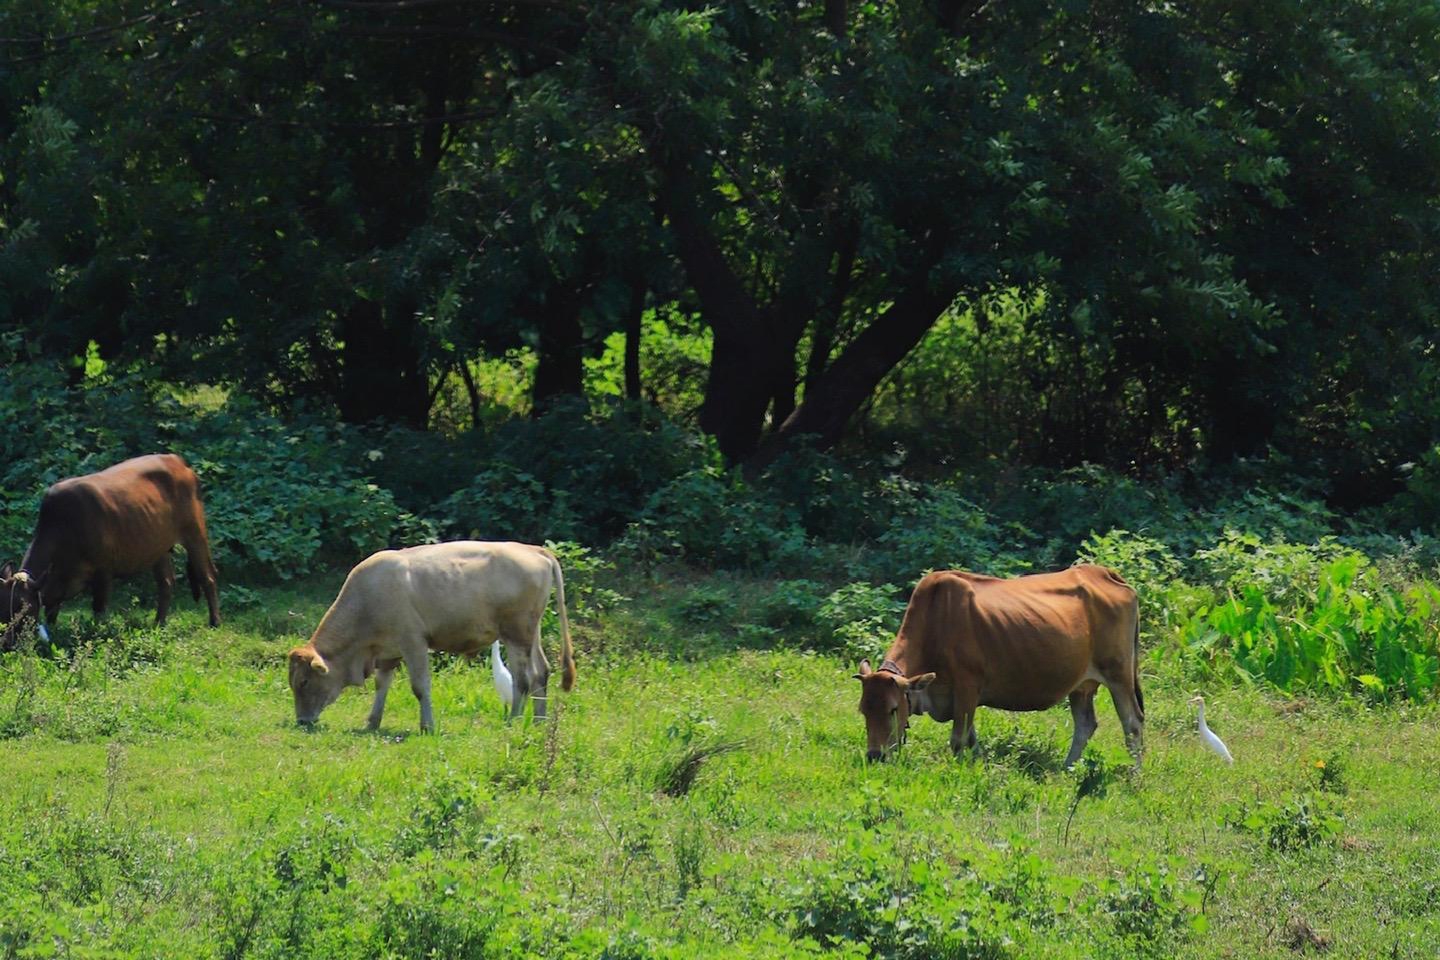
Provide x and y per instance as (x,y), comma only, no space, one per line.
(457,597)
(969,640)
(117,522)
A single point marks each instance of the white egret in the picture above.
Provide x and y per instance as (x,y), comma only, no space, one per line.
(1207,735)
(504,684)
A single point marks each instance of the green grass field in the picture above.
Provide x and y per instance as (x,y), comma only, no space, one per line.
(690,799)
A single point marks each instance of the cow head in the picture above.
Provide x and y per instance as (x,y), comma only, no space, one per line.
(885,705)
(19,601)
(314,685)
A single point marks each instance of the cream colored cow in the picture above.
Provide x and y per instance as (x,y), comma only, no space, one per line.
(456,597)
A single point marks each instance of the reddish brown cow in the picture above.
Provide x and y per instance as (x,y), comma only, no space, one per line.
(113,523)
(969,641)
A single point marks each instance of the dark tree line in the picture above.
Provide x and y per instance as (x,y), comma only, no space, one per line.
(1222,216)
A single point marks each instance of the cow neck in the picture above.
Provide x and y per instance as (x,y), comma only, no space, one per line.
(37,559)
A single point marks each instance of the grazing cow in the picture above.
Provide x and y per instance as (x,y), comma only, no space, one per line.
(114,523)
(969,640)
(454,597)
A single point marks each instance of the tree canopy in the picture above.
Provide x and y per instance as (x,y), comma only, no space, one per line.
(1210,228)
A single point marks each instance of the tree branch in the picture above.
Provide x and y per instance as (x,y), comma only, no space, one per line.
(450,118)
(385,6)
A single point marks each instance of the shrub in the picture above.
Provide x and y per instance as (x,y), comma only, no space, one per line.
(1350,638)
(1275,516)
(826,497)
(283,501)
(941,530)
(444,910)
(505,503)
(1147,564)
(1147,904)
(1285,571)
(607,462)
(715,518)
(1307,820)
(858,618)
(793,604)
(922,911)
(1069,506)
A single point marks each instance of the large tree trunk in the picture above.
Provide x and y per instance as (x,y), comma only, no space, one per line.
(632,339)
(745,353)
(1241,424)
(559,370)
(381,375)
(843,388)
(738,392)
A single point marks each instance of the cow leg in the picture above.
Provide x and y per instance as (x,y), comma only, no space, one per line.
(539,673)
(520,672)
(201,570)
(1082,711)
(100,593)
(165,587)
(384,674)
(962,732)
(1128,709)
(417,664)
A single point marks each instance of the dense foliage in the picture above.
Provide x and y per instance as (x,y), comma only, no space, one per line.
(1271,585)
(754,312)
(1134,235)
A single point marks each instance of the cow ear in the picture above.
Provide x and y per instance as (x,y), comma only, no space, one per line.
(919,682)
(7,571)
(307,655)
(864,670)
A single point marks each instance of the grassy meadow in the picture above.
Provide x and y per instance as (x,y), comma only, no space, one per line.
(692,797)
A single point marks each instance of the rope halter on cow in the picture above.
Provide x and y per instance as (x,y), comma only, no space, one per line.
(902,712)
(23,576)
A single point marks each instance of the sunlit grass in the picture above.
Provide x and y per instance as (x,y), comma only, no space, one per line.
(158,793)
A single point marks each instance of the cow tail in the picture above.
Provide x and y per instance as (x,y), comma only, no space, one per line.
(192,573)
(567,657)
(1139,697)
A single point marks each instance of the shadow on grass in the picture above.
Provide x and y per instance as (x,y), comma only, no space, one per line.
(1031,755)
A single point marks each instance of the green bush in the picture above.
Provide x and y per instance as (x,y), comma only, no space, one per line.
(283,501)
(1306,820)
(1284,571)
(280,499)
(1347,637)
(941,530)
(859,620)
(504,503)
(923,911)
(714,518)
(609,461)
(1147,564)
(793,604)
(1147,903)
